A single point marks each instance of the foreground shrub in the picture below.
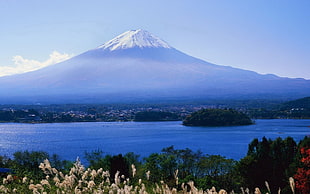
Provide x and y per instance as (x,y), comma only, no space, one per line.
(80,180)
(303,173)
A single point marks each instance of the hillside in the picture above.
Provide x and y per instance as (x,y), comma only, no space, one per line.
(295,109)
(302,103)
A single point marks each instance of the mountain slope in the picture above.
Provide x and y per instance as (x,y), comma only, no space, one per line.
(302,103)
(137,65)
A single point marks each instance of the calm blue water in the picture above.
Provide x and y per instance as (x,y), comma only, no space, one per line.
(70,140)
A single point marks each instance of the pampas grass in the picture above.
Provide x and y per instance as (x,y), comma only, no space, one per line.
(86,181)
(267,186)
(292,184)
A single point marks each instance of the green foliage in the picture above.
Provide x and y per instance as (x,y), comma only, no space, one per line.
(162,167)
(97,160)
(5,161)
(268,160)
(205,170)
(186,160)
(217,117)
(305,142)
(132,158)
(26,163)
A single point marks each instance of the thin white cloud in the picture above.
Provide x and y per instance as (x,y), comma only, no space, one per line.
(22,65)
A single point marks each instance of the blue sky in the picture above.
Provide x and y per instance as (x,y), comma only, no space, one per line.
(260,35)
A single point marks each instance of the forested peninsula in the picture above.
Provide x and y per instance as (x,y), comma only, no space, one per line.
(217,117)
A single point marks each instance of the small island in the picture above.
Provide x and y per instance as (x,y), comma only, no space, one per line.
(217,117)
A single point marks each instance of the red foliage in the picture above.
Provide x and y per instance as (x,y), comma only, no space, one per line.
(302,176)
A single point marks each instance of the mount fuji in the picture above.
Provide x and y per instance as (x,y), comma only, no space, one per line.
(139,66)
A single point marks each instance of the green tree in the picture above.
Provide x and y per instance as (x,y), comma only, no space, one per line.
(162,167)
(27,163)
(119,163)
(219,170)
(205,170)
(268,160)
(186,160)
(97,160)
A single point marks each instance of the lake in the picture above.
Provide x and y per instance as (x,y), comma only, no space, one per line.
(70,140)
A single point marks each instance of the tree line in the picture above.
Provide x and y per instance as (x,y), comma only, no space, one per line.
(217,117)
(268,160)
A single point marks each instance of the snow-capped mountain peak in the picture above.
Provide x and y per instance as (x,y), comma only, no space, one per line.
(134,38)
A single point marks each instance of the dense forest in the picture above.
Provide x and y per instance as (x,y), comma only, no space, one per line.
(19,115)
(274,161)
(217,117)
(156,116)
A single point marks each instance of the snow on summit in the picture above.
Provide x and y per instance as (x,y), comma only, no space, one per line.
(134,38)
